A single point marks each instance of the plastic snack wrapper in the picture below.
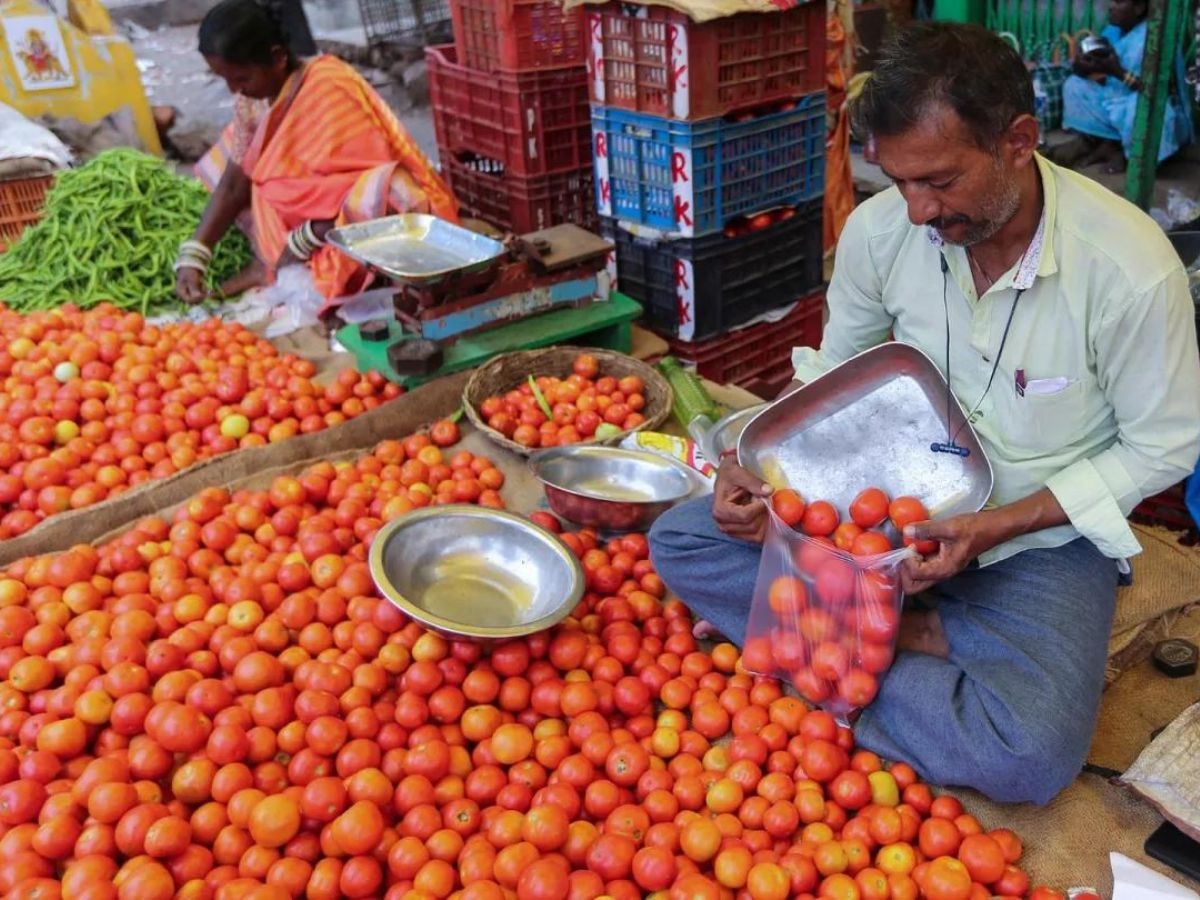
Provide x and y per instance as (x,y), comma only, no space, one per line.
(824,620)
(680,449)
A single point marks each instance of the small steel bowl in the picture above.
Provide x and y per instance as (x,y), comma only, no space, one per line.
(477,573)
(725,433)
(609,488)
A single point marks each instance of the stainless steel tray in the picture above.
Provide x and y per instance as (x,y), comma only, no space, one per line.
(870,422)
(417,248)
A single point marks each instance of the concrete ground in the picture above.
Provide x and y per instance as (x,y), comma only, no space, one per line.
(157,13)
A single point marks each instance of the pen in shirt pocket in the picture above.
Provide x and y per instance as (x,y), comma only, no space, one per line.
(1020,382)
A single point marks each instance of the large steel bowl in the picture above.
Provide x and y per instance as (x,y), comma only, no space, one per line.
(609,488)
(477,573)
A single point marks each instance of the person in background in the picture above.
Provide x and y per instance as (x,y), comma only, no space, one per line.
(1059,314)
(312,146)
(1100,99)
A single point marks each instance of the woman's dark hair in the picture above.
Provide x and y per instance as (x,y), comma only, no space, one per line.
(244,32)
(964,67)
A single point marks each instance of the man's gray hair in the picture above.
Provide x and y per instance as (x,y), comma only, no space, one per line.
(964,67)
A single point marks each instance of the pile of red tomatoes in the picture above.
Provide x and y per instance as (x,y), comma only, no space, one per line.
(94,403)
(220,706)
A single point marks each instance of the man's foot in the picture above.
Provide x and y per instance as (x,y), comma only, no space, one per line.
(1104,152)
(1071,151)
(921,632)
(253,276)
(702,630)
(1117,166)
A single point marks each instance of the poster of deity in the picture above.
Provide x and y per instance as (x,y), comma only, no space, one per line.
(39,54)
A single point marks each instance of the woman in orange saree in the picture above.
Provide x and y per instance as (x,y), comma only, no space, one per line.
(312,146)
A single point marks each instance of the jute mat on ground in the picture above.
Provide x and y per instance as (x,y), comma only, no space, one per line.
(1068,842)
(1166,580)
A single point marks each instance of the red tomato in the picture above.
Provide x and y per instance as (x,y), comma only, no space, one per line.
(905,511)
(820,519)
(869,508)
(789,506)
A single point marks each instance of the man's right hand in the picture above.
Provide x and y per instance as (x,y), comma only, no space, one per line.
(739,503)
(189,285)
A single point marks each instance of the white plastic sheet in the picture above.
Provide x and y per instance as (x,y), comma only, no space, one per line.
(22,139)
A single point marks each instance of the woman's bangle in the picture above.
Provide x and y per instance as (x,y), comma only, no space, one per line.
(1131,81)
(193,255)
(197,249)
(303,242)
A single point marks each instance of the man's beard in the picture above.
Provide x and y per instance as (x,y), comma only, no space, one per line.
(996,211)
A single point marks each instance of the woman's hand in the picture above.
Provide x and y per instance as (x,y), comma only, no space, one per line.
(1105,62)
(739,503)
(287,258)
(189,285)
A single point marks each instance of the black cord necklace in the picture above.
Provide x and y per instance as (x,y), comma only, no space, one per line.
(951,444)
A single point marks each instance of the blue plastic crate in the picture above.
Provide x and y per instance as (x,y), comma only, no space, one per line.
(690,178)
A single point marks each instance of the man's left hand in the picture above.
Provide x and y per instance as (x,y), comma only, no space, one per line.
(960,539)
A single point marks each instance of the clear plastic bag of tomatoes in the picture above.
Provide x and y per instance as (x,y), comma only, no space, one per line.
(823,619)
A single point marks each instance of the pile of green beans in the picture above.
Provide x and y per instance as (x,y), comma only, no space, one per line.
(110,233)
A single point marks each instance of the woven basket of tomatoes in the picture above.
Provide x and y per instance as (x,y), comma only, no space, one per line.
(534,399)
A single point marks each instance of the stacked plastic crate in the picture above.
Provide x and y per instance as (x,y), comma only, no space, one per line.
(709,145)
(510,109)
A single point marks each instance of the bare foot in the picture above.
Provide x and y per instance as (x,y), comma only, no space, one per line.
(1071,151)
(702,630)
(1105,152)
(253,276)
(921,632)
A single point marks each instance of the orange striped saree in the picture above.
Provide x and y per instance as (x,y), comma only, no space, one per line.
(328,149)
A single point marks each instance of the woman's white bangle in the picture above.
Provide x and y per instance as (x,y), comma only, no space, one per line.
(303,241)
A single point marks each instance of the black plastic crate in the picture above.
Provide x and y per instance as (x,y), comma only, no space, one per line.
(695,288)
(414,22)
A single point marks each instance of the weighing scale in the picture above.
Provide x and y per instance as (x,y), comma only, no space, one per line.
(461,297)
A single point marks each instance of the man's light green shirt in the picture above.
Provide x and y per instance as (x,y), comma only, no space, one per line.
(1103,339)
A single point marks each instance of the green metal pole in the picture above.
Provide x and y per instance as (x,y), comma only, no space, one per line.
(1164,26)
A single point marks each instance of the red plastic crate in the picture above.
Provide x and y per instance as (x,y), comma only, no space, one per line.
(21,202)
(769,385)
(535,123)
(517,204)
(758,352)
(515,35)
(654,60)
(1167,510)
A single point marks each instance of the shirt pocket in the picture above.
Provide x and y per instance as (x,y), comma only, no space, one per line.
(1039,423)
